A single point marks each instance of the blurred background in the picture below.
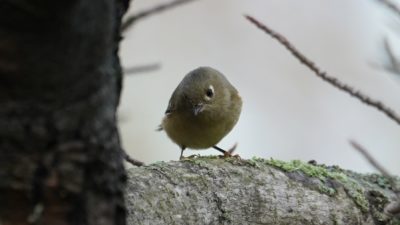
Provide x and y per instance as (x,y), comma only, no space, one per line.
(288,113)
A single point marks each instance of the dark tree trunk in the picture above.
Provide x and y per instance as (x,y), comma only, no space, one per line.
(60,81)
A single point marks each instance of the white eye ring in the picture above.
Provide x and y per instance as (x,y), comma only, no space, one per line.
(209,93)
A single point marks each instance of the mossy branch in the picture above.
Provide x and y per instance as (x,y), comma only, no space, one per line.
(209,190)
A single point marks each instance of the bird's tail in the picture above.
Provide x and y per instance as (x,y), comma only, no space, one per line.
(160,128)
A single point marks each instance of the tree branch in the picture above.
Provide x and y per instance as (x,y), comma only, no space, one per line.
(393,65)
(393,207)
(324,76)
(370,159)
(391,5)
(142,68)
(131,160)
(210,190)
(130,20)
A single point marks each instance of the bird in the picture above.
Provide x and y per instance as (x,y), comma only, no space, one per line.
(202,110)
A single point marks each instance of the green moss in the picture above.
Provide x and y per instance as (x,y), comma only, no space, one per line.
(324,174)
(320,172)
(378,179)
(327,190)
(253,163)
(212,159)
(334,219)
(357,194)
(198,162)
(157,164)
(378,202)
(394,221)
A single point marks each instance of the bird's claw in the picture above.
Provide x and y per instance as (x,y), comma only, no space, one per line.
(229,153)
(189,157)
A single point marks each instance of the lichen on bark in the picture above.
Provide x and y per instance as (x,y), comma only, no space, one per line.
(210,190)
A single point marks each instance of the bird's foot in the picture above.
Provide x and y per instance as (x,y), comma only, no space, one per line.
(228,155)
(229,152)
(189,157)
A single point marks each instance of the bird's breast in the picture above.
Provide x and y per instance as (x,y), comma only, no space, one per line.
(197,132)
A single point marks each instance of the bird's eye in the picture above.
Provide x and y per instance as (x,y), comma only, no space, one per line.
(210,92)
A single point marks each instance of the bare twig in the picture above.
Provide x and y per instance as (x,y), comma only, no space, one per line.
(393,207)
(393,65)
(391,5)
(370,158)
(323,75)
(157,9)
(142,69)
(131,160)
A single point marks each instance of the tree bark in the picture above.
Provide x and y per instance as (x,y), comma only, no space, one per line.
(230,191)
(60,81)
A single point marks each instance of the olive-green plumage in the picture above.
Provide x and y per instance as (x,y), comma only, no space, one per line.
(202,109)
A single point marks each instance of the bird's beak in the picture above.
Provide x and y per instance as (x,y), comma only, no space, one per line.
(198,108)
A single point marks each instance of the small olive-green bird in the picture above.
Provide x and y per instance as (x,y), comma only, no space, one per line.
(202,110)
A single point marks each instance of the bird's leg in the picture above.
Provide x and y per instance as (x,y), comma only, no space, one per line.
(189,157)
(227,153)
(220,149)
(182,149)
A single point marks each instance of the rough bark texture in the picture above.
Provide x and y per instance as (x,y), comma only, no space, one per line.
(60,81)
(220,191)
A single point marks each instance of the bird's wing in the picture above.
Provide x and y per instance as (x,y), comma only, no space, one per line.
(160,128)
(168,112)
(170,108)
(172,103)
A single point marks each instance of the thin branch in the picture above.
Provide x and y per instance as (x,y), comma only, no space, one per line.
(393,62)
(323,75)
(391,5)
(157,9)
(370,158)
(142,68)
(393,207)
(131,160)
(393,66)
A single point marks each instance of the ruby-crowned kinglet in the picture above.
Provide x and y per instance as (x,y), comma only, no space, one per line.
(202,110)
